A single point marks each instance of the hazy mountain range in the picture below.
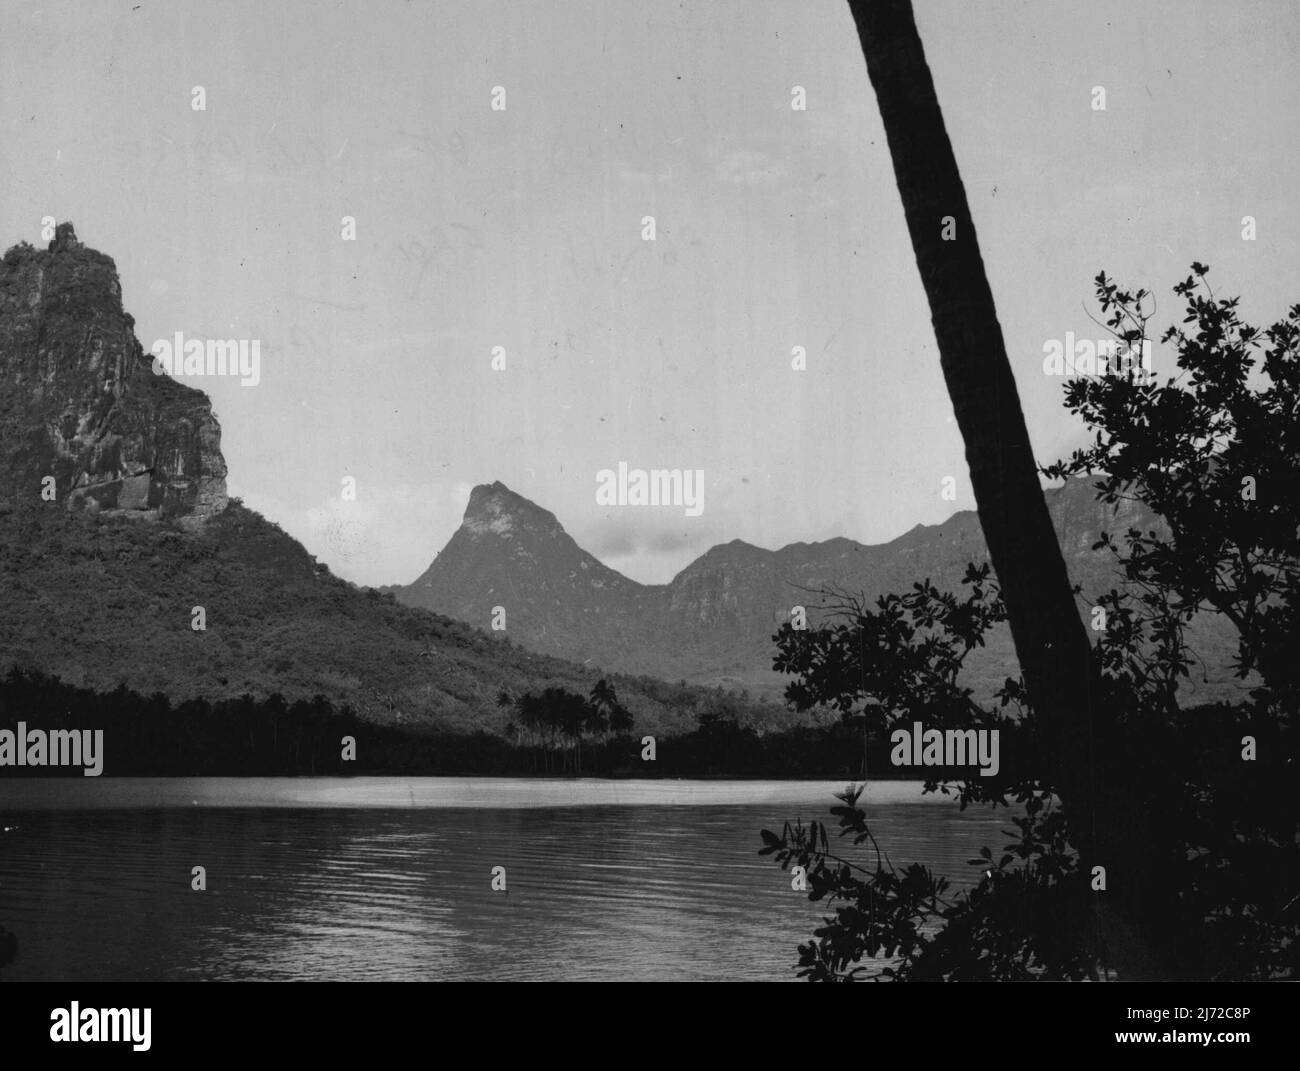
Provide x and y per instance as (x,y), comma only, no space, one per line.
(713,623)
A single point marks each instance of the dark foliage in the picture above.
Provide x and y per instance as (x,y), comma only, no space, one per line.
(158,737)
(1214,452)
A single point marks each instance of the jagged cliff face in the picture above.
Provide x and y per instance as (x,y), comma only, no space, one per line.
(79,400)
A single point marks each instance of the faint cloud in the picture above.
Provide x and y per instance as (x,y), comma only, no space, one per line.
(642,552)
(410,339)
(750,167)
(628,174)
(232,173)
(613,542)
(388,535)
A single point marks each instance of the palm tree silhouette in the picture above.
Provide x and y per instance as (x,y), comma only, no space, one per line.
(1051,644)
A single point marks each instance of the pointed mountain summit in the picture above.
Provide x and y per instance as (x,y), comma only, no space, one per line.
(82,403)
(494,509)
(510,553)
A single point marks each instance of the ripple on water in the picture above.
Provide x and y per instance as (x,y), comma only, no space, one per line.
(648,891)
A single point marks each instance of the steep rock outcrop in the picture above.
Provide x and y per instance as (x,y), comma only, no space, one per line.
(80,401)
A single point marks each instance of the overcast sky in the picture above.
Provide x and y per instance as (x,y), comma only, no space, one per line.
(522,228)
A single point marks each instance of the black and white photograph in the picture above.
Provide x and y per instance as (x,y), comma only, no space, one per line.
(649,491)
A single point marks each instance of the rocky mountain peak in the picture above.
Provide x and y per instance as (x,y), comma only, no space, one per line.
(81,403)
(494,509)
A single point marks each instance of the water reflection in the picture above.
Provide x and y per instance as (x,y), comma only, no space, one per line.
(632,892)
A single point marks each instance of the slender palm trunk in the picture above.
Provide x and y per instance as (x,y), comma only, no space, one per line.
(1050,640)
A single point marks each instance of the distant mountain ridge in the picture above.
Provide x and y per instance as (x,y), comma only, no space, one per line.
(712,623)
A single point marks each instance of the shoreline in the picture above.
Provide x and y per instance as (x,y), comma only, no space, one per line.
(360,791)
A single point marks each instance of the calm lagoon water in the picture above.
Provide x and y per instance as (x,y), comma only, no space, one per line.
(389,878)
